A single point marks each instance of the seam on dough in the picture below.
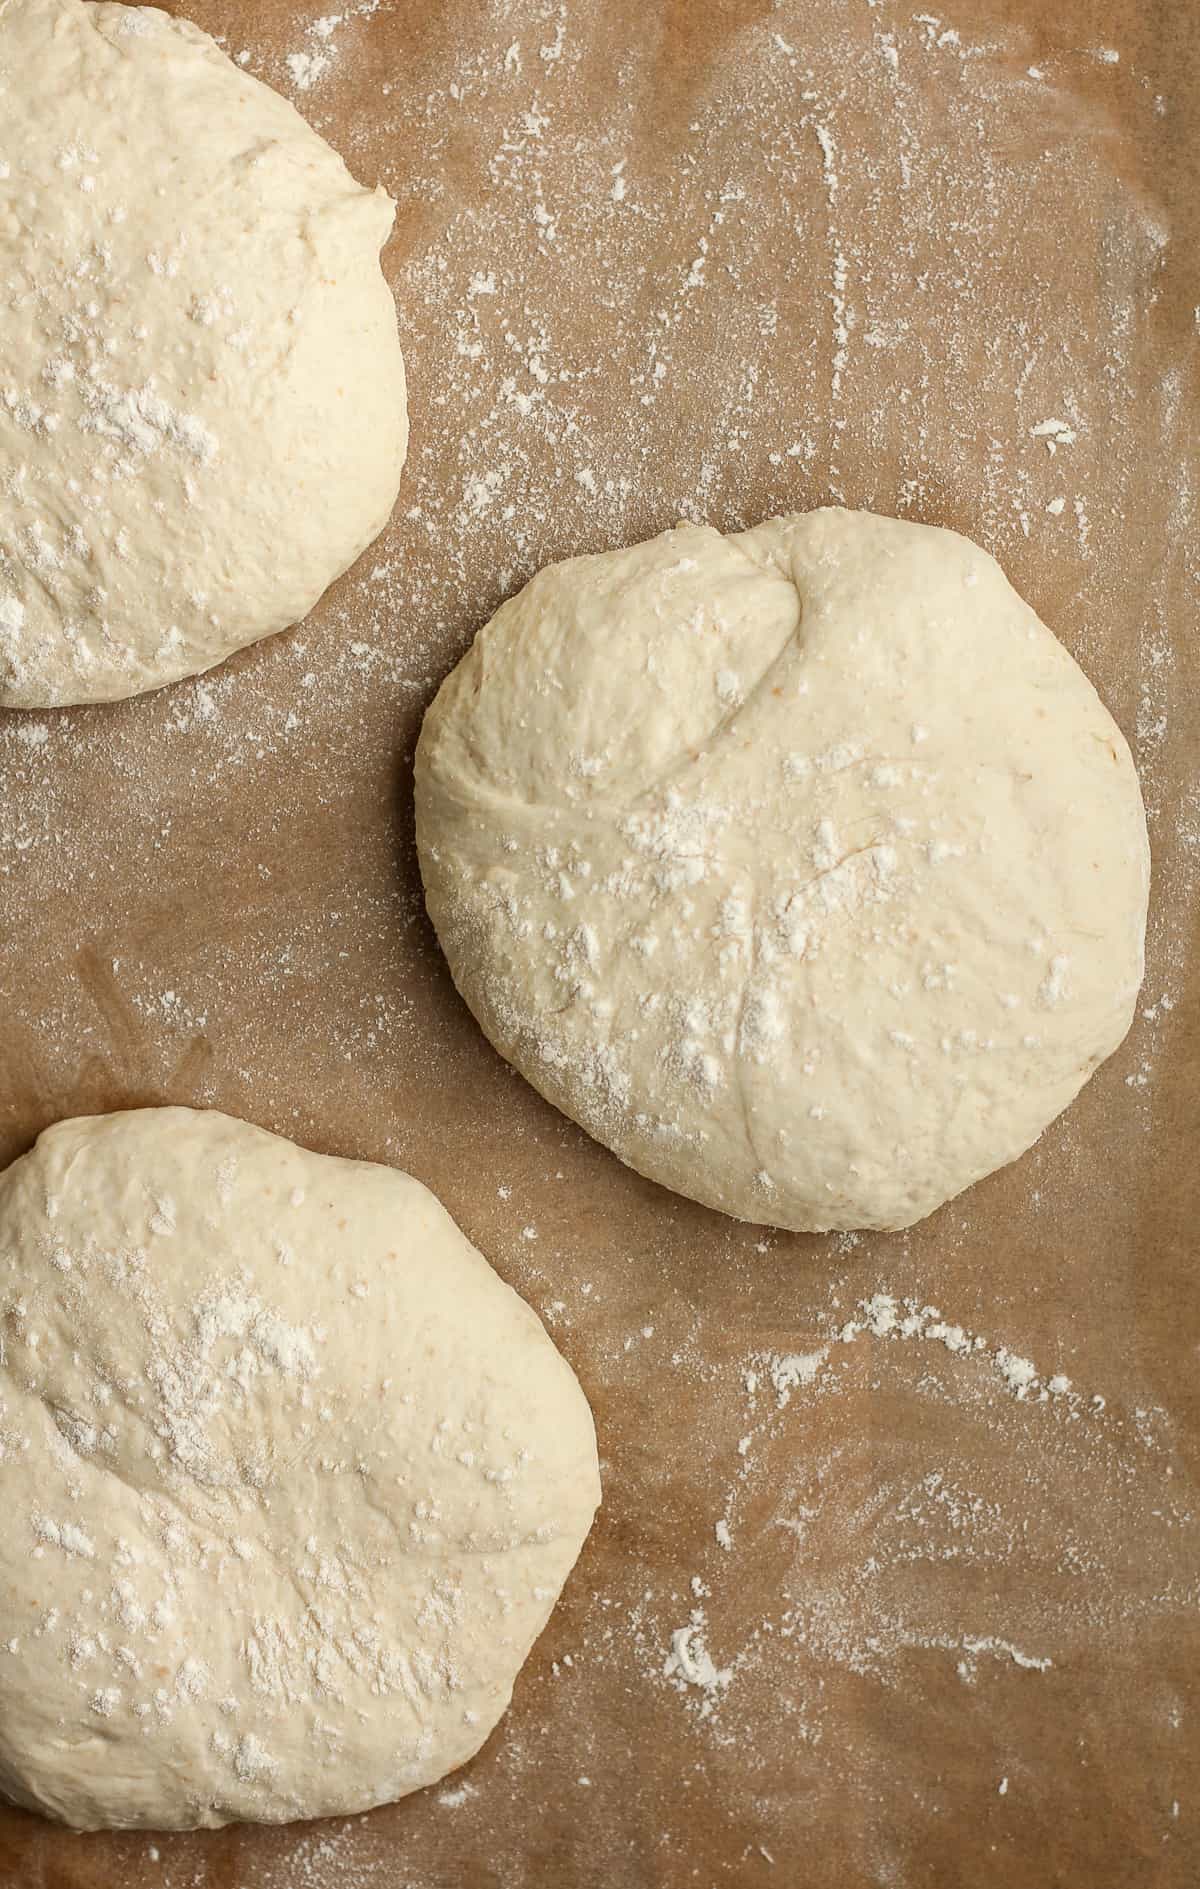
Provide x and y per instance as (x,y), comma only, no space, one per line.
(720,728)
(739,1057)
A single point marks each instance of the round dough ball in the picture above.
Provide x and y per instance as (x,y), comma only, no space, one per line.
(202,417)
(802,867)
(291,1479)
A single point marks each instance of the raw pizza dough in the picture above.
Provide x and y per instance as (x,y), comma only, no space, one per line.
(202,412)
(291,1479)
(803,867)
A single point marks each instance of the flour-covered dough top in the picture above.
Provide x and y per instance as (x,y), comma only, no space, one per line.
(202,416)
(291,1479)
(803,867)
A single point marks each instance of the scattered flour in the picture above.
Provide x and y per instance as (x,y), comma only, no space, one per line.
(934,1495)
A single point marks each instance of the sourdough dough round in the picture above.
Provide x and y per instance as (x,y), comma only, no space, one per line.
(803,867)
(291,1479)
(202,417)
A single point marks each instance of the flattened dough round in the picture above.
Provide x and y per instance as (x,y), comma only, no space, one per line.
(803,867)
(291,1478)
(202,410)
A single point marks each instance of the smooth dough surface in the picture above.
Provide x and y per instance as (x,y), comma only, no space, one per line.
(803,867)
(291,1479)
(202,405)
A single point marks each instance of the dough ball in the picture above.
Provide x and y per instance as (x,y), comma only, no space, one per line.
(291,1479)
(803,867)
(202,417)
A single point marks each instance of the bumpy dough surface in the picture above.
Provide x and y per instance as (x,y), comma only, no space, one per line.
(202,411)
(291,1479)
(803,867)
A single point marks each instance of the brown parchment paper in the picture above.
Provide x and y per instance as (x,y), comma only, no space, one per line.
(718,260)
